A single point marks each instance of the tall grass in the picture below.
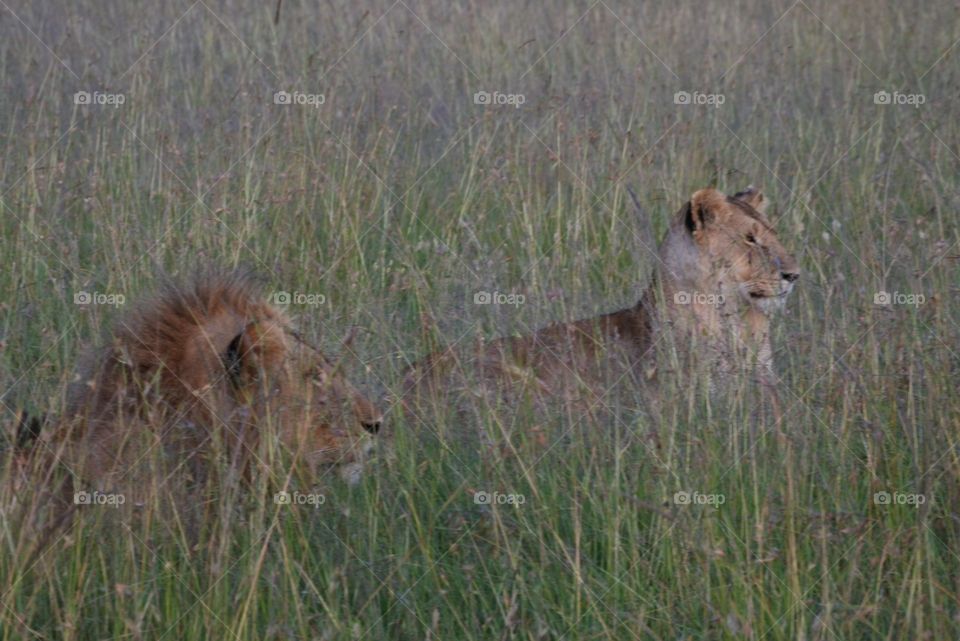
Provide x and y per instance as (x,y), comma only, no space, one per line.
(398,199)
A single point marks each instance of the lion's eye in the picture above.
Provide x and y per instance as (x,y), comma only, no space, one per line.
(751,239)
(319,381)
(318,377)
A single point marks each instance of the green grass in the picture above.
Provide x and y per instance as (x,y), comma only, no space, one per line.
(398,199)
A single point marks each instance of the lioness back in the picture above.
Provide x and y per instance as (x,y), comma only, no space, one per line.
(721,272)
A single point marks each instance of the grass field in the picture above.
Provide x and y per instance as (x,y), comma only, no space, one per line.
(424,152)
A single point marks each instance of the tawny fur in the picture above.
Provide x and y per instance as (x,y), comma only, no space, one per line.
(207,370)
(718,248)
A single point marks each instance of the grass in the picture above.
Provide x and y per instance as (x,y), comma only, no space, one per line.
(398,199)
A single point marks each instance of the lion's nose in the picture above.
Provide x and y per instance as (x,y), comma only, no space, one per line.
(371,426)
(789,276)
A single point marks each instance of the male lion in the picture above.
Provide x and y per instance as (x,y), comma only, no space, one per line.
(721,273)
(205,372)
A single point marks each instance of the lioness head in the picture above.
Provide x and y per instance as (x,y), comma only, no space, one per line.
(732,251)
(725,273)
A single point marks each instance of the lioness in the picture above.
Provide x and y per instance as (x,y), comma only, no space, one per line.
(202,371)
(721,273)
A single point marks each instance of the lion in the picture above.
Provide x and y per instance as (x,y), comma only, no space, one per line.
(721,273)
(200,373)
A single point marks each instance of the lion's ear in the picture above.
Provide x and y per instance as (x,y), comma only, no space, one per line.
(257,348)
(233,360)
(753,197)
(704,207)
(241,356)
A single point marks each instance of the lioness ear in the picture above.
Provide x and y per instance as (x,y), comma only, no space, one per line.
(703,208)
(28,430)
(753,197)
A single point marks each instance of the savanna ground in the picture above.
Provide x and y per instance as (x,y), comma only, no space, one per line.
(399,199)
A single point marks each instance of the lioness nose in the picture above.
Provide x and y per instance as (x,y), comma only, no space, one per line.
(789,276)
(371,426)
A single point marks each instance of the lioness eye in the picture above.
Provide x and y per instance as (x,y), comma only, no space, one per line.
(751,238)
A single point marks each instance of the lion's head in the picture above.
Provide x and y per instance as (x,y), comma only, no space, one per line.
(285,381)
(212,364)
